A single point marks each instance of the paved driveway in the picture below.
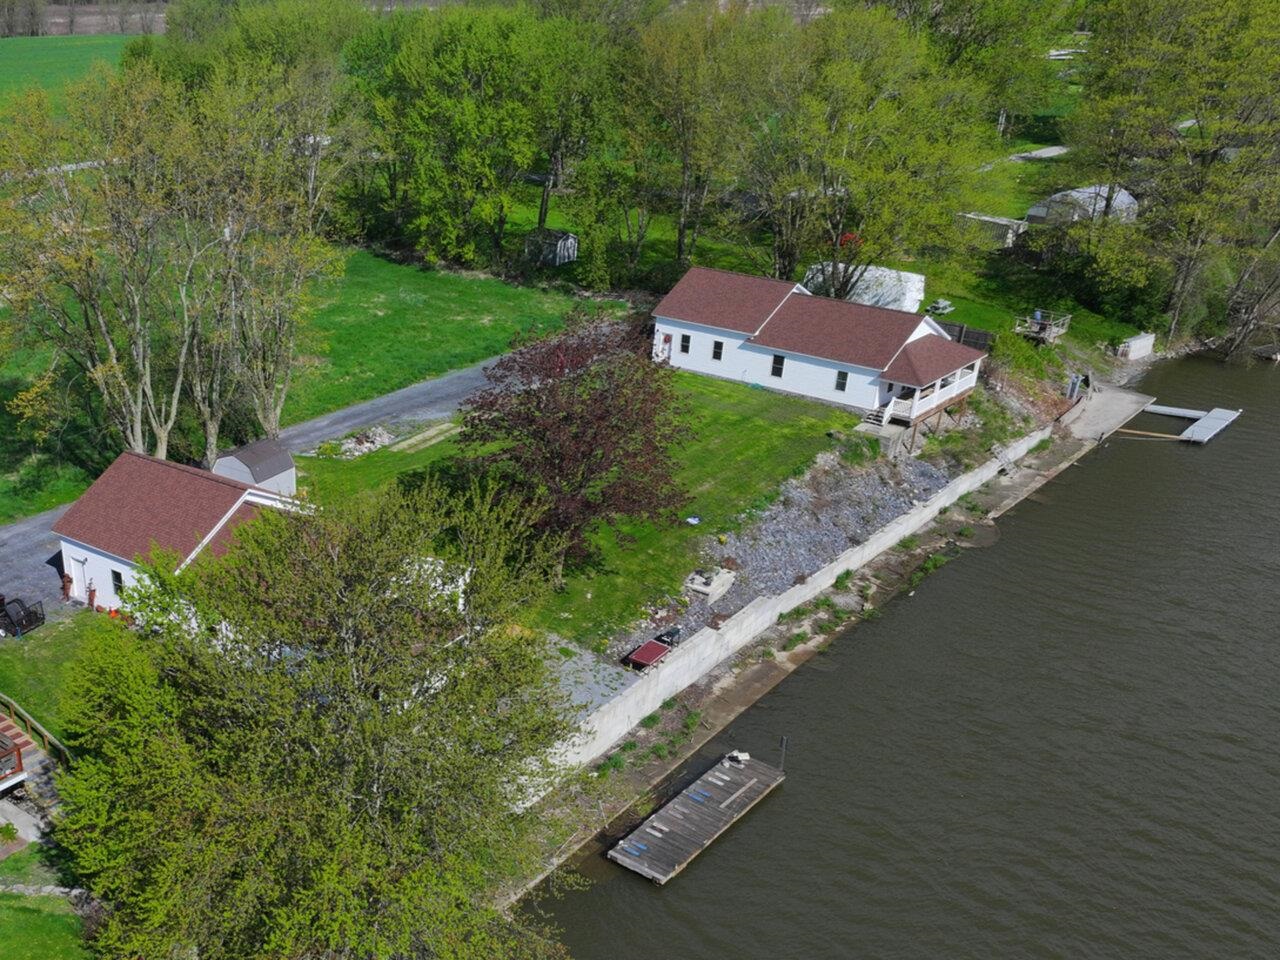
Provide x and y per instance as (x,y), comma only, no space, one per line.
(30,566)
(29,562)
(429,400)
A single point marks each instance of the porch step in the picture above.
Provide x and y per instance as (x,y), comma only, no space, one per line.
(16,734)
(875,417)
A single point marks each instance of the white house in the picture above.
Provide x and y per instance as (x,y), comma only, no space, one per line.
(774,333)
(262,463)
(140,504)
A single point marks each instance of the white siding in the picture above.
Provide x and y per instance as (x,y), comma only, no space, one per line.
(748,363)
(87,565)
(285,482)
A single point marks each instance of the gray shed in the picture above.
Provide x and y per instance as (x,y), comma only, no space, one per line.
(263,463)
(1085,203)
(551,248)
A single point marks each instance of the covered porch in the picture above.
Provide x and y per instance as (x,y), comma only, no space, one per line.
(913,404)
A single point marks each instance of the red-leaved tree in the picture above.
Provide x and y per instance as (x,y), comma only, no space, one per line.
(585,422)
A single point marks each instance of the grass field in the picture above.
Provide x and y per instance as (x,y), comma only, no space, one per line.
(39,928)
(51,62)
(385,325)
(35,668)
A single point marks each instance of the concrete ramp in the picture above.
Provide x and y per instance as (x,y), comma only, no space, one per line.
(1106,410)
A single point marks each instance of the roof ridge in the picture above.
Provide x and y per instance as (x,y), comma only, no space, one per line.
(739,273)
(193,471)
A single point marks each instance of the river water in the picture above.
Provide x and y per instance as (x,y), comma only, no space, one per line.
(1066,744)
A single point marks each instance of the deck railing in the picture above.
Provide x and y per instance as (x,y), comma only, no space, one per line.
(32,727)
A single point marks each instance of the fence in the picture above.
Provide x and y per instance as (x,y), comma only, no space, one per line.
(47,741)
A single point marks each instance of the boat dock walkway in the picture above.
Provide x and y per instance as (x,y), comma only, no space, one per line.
(667,841)
(1208,423)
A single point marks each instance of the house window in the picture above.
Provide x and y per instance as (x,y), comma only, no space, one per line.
(684,343)
(117,582)
(777,365)
(717,349)
(971,368)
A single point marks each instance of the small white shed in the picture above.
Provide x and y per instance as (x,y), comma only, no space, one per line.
(1136,347)
(262,463)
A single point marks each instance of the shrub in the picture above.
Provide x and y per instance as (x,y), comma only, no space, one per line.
(651,721)
(795,640)
(909,542)
(609,765)
(842,581)
(965,532)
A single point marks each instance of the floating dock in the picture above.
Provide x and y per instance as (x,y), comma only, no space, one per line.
(1208,423)
(668,841)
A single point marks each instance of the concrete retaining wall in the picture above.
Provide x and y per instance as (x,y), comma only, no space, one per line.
(693,659)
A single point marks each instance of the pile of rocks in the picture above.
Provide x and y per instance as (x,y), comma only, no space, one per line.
(815,519)
(366,441)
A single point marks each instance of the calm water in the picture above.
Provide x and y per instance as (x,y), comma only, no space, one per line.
(1064,745)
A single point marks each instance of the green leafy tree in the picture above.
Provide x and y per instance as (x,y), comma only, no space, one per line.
(318,745)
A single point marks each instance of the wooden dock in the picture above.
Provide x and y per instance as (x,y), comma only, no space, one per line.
(1208,423)
(668,841)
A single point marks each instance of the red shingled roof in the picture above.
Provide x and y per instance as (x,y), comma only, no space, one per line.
(140,501)
(929,358)
(838,330)
(727,301)
(220,542)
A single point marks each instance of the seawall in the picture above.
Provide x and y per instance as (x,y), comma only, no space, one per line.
(700,653)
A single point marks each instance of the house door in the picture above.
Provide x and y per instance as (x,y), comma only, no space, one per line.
(664,348)
(79,588)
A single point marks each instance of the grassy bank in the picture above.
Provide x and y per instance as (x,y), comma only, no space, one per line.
(743,443)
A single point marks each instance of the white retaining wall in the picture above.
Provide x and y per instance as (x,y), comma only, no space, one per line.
(694,658)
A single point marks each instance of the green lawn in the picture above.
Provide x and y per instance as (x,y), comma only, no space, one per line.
(29,865)
(385,325)
(743,444)
(330,480)
(52,62)
(34,669)
(39,928)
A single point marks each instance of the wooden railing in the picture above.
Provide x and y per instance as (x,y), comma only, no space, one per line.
(47,741)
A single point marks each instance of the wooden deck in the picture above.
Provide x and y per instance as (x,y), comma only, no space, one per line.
(668,841)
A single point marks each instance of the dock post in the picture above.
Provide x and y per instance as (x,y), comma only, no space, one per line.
(782,763)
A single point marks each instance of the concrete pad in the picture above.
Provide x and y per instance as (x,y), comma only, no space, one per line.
(1105,410)
(28,826)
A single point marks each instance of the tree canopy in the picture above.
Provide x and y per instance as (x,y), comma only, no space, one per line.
(319,744)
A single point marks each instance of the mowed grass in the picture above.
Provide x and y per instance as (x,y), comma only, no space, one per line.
(34,669)
(39,928)
(52,62)
(385,325)
(328,480)
(743,443)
